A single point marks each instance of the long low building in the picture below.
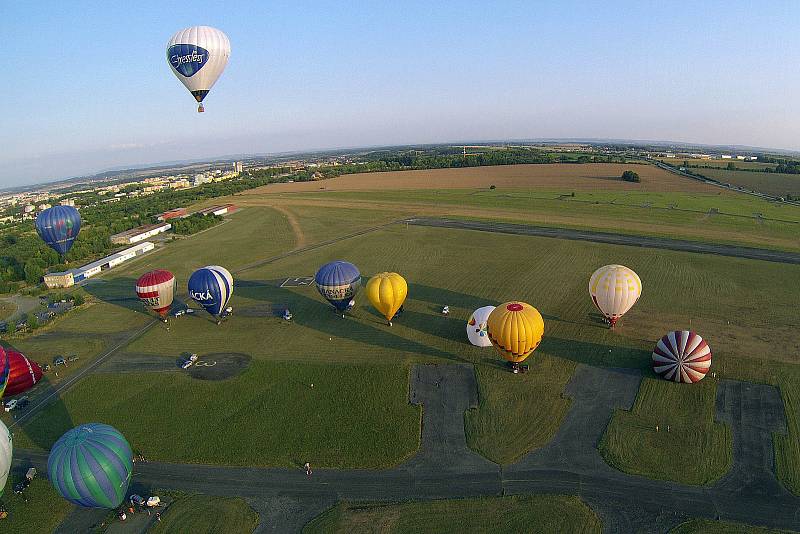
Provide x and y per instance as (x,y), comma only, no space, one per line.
(141,233)
(218,210)
(73,276)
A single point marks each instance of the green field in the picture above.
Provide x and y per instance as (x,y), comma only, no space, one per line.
(769,183)
(706,526)
(43,511)
(733,302)
(7,309)
(534,514)
(684,415)
(357,412)
(723,216)
(716,163)
(199,514)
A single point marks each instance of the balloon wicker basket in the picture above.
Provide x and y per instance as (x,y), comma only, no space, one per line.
(517,367)
(200,108)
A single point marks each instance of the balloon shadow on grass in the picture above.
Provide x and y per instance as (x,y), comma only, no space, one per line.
(440,297)
(318,315)
(596,354)
(118,291)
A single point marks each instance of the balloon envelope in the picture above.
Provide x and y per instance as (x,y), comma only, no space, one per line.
(614,290)
(156,290)
(197,57)
(682,356)
(5,369)
(212,287)
(6,450)
(476,327)
(58,227)
(91,466)
(387,292)
(338,282)
(23,373)
(515,329)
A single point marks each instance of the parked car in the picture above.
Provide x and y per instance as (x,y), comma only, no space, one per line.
(59,360)
(189,311)
(189,361)
(179,313)
(10,405)
(23,402)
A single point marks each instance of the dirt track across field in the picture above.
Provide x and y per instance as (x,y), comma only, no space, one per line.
(588,176)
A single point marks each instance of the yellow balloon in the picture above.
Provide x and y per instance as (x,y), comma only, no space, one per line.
(515,329)
(387,292)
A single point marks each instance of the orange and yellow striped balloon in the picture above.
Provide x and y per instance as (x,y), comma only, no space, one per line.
(515,329)
(387,292)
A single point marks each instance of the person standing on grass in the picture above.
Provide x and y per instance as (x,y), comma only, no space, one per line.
(308,468)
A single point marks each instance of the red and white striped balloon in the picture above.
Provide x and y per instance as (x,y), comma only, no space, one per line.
(682,356)
(156,290)
(23,375)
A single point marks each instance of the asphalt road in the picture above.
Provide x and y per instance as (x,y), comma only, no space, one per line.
(614,239)
(571,464)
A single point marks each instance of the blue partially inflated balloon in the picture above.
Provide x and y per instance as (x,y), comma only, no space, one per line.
(91,466)
(212,287)
(58,227)
(338,281)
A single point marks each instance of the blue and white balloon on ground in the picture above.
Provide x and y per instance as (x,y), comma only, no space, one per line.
(59,226)
(197,57)
(212,288)
(91,466)
(338,282)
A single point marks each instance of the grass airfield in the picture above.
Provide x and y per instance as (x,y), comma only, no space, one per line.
(357,412)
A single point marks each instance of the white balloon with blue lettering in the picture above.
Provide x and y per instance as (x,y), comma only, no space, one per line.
(197,57)
(212,288)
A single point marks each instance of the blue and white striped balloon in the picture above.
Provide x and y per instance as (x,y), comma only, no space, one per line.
(212,287)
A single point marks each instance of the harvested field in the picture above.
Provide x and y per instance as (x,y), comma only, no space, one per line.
(588,176)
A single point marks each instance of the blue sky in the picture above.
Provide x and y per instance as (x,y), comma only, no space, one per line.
(86,85)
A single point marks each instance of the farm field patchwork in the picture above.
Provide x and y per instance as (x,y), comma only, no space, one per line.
(717,163)
(589,176)
(770,183)
(539,513)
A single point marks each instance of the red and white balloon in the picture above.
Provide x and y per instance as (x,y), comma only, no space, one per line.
(24,373)
(682,356)
(156,290)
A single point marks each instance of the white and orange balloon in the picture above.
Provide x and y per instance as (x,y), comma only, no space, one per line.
(614,290)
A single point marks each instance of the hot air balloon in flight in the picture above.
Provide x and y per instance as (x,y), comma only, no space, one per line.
(197,57)
(387,292)
(58,227)
(476,327)
(614,290)
(338,281)
(212,287)
(682,356)
(23,374)
(91,466)
(515,329)
(156,290)
(6,450)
